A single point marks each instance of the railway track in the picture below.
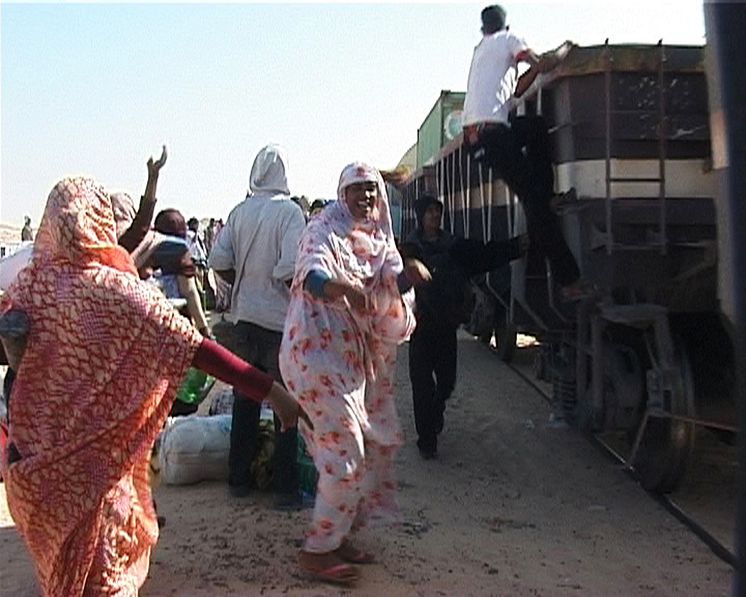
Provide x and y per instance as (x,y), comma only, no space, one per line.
(666,502)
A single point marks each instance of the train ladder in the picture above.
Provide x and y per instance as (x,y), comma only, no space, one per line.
(661,133)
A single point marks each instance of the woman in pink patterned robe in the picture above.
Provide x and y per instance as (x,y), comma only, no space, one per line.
(351,305)
(104,357)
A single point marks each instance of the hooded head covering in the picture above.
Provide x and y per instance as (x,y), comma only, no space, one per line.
(268,173)
(421,205)
(362,253)
(380,216)
(124,211)
(78,227)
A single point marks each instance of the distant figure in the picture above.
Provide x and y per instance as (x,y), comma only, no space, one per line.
(26,232)
(223,288)
(196,246)
(210,236)
(517,148)
(317,207)
(299,202)
(256,252)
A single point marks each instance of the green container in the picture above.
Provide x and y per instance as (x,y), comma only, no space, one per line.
(195,386)
(440,126)
(308,476)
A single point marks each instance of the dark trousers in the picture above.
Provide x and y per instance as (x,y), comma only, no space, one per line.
(432,371)
(519,154)
(261,348)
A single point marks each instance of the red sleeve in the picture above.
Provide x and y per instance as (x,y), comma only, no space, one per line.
(220,362)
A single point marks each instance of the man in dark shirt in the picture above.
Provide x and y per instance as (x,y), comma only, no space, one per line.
(442,305)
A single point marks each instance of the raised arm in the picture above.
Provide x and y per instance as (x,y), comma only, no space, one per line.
(540,64)
(135,234)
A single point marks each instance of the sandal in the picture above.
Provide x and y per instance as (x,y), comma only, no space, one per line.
(350,553)
(339,573)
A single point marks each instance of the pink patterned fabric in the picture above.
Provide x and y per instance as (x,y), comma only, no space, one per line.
(339,363)
(103,361)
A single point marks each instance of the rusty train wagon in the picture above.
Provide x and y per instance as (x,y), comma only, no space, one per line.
(650,355)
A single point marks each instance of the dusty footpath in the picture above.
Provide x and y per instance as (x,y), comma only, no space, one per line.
(509,508)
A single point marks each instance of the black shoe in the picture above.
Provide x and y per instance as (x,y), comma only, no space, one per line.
(240,491)
(428,448)
(428,453)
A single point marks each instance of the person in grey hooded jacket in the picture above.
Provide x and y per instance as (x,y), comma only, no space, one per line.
(255,252)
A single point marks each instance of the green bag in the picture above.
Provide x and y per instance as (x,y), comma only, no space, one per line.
(307,473)
(195,387)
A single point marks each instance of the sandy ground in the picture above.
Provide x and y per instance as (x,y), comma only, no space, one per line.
(510,508)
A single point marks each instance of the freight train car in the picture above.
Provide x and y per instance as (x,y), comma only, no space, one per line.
(649,355)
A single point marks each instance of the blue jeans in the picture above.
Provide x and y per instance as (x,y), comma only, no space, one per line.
(260,347)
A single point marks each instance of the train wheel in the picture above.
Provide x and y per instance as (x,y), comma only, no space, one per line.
(667,444)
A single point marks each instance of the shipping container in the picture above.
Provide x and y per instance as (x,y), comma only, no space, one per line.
(440,126)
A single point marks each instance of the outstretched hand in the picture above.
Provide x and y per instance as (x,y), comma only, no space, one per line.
(154,167)
(417,272)
(554,58)
(287,408)
(355,298)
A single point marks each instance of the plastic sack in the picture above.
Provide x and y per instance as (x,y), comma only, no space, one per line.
(194,449)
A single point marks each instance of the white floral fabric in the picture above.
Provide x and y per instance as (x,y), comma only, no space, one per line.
(339,363)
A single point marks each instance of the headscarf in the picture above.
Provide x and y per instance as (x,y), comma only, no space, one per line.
(104,358)
(268,173)
(124,211)
(78,227)
(372,239)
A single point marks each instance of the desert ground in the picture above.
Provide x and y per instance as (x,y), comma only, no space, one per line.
(511,507)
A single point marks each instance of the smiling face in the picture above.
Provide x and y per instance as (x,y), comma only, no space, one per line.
(360,198)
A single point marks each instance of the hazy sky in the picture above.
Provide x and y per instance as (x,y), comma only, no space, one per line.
(98,88)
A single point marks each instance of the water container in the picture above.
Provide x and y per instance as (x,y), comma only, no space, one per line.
(195,386)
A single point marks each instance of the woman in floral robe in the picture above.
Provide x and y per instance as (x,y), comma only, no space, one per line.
(351,305)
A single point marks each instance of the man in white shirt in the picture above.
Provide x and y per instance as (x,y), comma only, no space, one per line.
(517,148)
(255,252)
